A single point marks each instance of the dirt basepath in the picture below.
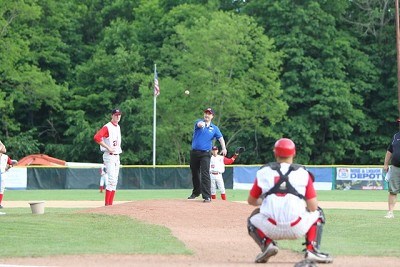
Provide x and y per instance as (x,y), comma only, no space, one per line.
(215,232)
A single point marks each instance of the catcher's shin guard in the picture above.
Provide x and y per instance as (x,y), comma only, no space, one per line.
(254,232)
(314,235)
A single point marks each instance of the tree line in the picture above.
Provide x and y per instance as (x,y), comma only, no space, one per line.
(320,72)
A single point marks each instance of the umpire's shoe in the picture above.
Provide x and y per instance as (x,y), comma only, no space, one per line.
(192,196)
(318,257)
(268,252)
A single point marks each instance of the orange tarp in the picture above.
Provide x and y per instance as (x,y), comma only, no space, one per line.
(40,159)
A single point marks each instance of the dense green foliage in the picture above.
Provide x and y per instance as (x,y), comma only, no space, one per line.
(320,72)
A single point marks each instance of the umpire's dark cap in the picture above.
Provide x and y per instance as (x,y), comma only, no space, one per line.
(116,111)
(209,110)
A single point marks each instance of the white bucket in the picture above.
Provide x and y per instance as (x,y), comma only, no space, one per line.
(37,207)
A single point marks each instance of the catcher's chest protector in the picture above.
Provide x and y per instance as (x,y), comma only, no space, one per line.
(283,186)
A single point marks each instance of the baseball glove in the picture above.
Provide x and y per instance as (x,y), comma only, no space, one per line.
(239,150)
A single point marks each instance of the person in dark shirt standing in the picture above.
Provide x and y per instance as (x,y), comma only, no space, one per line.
(393,173)
(203,135)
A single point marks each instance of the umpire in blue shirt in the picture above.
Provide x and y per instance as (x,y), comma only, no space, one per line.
(204,133)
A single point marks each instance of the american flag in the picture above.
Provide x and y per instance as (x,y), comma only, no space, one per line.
(156,86)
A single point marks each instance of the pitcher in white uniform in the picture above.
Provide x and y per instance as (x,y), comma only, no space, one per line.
(109,139)
(217,168)
(288,206)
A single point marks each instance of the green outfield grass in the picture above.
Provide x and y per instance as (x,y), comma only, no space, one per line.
(64,231)
(127,195)
(356,232)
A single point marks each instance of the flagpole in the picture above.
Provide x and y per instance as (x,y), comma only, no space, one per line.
(154,120)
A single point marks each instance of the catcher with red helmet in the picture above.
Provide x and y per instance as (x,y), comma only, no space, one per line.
(280,189)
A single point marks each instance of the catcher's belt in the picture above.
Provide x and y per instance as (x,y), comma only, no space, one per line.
(291,224)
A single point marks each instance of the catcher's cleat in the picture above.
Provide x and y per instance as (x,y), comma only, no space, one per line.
(268,252)
(192,196)
(318,257)
(1,206)
(389,215)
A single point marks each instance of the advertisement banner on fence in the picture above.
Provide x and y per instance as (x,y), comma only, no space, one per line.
(243,177)
(359,178)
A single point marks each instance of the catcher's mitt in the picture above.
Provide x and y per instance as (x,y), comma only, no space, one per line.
(239,150)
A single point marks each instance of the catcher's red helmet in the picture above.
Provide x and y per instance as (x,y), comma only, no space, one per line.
(284,147)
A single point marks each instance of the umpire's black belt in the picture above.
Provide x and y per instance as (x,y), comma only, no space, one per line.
(196,150)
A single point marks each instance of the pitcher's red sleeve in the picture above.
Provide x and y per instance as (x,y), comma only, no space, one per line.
(103,132)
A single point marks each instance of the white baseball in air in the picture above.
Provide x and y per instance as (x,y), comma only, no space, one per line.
(187,92)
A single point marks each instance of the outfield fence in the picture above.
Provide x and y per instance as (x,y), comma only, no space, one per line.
(87,176)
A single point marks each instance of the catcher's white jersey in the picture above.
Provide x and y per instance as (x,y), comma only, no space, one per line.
(287,208)
(284,216)
(114,138)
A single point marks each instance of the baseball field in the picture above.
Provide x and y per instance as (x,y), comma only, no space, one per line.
(162,228)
